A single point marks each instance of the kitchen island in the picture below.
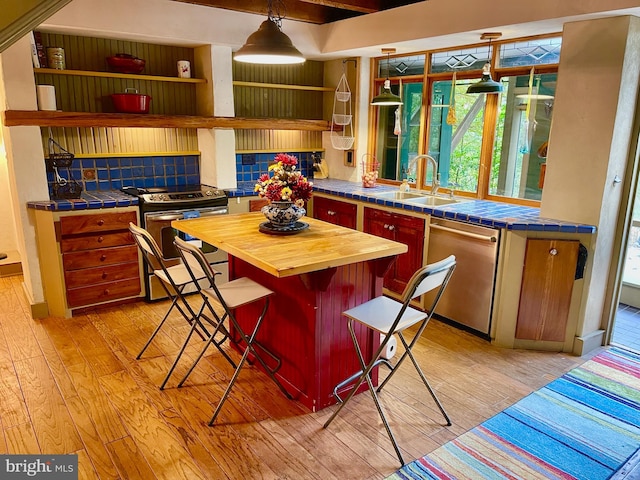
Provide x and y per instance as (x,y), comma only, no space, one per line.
(316,274)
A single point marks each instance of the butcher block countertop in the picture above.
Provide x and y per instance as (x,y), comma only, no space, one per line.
(323,245)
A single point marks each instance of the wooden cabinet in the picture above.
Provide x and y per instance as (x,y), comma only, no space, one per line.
(403,229)
(99,258)
(547,285)
(335,211)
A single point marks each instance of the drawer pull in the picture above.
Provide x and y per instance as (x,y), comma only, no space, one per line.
(106,291)
(104,275)
(101,222)
(553,252)
(331,212)
(103,257)
(100,239)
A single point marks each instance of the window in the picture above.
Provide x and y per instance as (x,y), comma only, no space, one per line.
(495,147)
(522,134)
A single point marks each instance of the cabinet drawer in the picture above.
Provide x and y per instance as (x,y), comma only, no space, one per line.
(100,256)
(101,222)
(89,242)
(96,275)
(104,292)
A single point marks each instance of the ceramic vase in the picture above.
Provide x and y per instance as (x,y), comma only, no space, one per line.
(283,214)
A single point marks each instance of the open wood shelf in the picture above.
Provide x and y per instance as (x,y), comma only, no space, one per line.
(87,73)
(14,118)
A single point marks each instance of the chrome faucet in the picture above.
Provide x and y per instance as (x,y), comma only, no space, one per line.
(435,182)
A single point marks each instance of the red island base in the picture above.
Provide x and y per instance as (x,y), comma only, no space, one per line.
(305,329)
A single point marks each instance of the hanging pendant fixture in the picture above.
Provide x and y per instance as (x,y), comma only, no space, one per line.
(269,44)
(386,96)
(486,83)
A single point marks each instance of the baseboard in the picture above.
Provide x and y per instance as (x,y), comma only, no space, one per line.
(11,264)
(588,343)
(38,309)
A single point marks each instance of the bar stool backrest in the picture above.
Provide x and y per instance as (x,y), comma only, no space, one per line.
(150,251)
(428,278)
(195,260)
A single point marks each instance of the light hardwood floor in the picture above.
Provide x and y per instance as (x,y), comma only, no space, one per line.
(74,386)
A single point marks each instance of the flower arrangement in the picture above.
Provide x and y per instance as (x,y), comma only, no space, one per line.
(287,183)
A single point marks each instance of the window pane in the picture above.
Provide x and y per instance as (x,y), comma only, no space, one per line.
(401,66)
(460,60)
(542,51)
(522,134)
(456,144)
(399,132)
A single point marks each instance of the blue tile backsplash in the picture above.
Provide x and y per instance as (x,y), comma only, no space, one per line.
(249,167)
(114,173)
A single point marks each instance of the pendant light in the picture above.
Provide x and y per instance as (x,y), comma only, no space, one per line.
(534,94)
(487,84)
(269,44)
(386,96)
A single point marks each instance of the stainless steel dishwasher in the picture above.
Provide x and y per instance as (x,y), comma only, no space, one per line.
(468,299)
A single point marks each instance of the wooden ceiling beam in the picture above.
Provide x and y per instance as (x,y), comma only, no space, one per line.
(294,9)
(362,6)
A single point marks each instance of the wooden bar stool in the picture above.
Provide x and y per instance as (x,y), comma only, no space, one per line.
(388,317)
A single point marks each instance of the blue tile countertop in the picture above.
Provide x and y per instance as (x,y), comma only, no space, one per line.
(480,212)
(88,200)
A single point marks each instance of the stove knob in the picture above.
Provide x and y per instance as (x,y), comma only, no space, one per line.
(208,193)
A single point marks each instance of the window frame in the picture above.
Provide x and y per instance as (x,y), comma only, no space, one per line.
(490,117)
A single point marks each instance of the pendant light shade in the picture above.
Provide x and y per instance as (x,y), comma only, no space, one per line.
(386,96)
(269,45)
(486,83)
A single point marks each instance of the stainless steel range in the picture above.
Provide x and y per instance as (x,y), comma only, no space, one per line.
(160,206)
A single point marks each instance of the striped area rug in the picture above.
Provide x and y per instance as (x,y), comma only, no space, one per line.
(584,425)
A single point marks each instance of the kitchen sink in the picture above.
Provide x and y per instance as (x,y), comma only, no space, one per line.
(418,198)
(432,201)
(398,195)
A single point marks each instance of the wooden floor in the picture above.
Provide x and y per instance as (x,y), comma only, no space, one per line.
(74,386)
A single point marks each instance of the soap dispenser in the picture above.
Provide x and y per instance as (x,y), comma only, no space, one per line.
(404,186)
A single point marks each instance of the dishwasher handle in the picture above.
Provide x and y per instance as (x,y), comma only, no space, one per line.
(486,238)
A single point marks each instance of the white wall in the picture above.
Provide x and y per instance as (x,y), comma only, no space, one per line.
(7,223)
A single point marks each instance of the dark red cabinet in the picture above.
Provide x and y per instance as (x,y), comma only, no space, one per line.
(403,229)
(335,211)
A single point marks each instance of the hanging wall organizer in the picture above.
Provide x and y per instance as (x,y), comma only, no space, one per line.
(342,119)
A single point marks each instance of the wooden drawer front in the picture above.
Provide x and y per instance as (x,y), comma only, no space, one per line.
(104,292)
(93,276)
(101,222)
(100,256)
(88,242)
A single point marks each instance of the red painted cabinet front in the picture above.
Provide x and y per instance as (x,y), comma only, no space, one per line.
(403,229)
(335,211)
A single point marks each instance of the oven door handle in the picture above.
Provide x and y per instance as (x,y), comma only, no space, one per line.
(164,217)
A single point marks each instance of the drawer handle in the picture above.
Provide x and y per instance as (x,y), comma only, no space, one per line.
(101,222)
(106,291)
(103,257)
(104,275)
(553,252)
(331,212)
(100,239)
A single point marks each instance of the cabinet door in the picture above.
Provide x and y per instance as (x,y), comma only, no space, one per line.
(335,211)
(547,284)
(403,229)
